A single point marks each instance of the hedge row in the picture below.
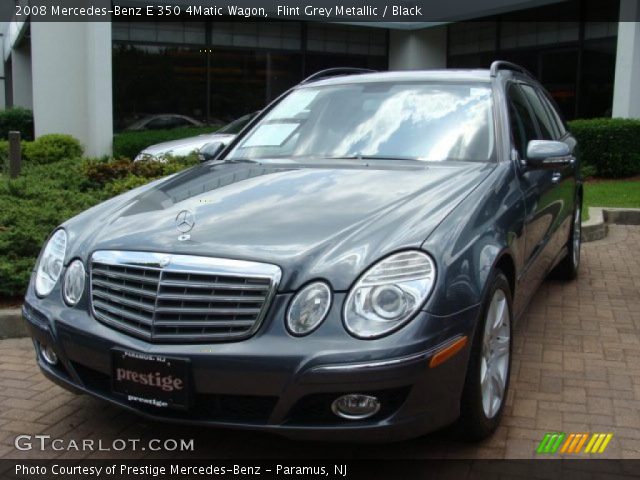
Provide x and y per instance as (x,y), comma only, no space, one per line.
(609,148)
(46,149)
(47,194)
(17,119)
(129,144)
(41,198)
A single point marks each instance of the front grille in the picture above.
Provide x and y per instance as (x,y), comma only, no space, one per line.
(168,298)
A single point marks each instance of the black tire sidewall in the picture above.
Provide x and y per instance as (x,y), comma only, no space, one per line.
(476,425)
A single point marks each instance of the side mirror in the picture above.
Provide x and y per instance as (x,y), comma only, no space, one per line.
(210,151)
(542,154)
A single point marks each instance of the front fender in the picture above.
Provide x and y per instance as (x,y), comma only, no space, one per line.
(469,243)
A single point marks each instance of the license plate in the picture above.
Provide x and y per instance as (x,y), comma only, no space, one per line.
(151,380)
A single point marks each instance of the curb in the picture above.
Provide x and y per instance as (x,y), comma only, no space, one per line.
(11,323)
(596,228)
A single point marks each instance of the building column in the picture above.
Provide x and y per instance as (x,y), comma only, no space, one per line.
(626,100)
(21,76)
(72,82)
(418,49)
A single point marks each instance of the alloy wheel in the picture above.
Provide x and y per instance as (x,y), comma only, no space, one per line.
(494,364)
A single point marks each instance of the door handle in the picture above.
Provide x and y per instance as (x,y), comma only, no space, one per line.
(556,177)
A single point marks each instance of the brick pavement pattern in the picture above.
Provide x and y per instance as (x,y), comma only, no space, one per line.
(576,368)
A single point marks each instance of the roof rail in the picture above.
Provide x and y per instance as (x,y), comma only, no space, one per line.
(503,65)
(334,72)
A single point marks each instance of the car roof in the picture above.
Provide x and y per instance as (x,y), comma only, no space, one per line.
(481,75)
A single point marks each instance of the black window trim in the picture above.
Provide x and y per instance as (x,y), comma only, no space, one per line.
(556,113)
(556,133)
(516,83)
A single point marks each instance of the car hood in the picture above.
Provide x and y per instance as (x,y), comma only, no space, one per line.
(185,146)
(314,220)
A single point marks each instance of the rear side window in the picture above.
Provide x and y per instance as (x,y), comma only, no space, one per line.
(548,129)
(555,116)
(523,127)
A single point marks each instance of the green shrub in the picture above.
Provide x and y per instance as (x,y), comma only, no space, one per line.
(587,171)
(47,194)
(130,144)
(4,154)
(19,119)
(51,148)
(31,206)
(101,173)
(611,147)
(124,185)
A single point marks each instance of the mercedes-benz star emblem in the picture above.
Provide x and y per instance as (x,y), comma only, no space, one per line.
(185,221)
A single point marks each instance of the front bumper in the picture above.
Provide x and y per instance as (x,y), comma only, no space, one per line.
(273,381)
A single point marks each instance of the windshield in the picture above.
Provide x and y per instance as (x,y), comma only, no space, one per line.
(421,121)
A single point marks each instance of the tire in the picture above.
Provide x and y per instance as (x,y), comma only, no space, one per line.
(568,267)
(480,412)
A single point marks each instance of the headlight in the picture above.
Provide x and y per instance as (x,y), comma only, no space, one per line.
(51,262)
(144,157)
(73,283)
(389,294)
(308,308)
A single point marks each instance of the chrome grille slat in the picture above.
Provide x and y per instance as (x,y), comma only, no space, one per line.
(123,300)
(122,312)
(218,286)
(203,324)
(129,289)
(138,332)
(209,298)
(164,298)
(206,311)
(125,276)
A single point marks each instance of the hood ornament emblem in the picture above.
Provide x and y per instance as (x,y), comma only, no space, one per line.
(185,221)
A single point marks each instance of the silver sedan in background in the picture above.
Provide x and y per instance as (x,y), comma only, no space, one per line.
(186,146)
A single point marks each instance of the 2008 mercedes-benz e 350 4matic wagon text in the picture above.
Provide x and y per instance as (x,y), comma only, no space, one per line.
(349,267)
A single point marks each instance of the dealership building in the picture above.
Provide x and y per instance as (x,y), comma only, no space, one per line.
(91,79)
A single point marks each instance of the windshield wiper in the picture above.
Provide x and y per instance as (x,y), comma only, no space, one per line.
(238,160)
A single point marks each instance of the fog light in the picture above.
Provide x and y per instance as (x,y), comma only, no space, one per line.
(355,406)
(48,354)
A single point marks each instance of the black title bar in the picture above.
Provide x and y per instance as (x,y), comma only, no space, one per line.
(410,13)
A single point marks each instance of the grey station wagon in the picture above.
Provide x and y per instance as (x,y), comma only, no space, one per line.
(350,267)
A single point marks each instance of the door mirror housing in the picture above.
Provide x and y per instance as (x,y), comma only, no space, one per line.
(544,154)
(210,151)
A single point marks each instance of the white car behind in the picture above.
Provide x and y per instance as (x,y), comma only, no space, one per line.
(187,146)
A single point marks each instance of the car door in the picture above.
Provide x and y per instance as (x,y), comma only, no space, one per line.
(538,188)
(562,197)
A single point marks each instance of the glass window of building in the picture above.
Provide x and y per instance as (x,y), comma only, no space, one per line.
(216,72)
(575,61)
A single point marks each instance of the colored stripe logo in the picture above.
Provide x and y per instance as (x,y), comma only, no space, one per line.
(574,443)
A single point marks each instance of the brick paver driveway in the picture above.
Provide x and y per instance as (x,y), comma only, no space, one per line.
(576,369)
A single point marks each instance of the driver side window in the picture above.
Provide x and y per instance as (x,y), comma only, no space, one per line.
(521,122)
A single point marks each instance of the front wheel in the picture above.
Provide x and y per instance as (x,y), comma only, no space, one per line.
(568,267)
(487,380)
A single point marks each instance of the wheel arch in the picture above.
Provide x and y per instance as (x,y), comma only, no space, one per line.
(507,265)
